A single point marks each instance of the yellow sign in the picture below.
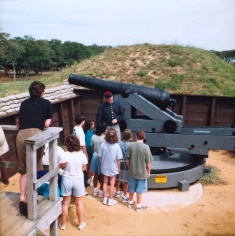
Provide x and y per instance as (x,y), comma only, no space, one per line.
(161,179)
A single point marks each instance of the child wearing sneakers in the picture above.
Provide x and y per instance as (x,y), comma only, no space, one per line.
(127,137)
(139,158)
(96,141)
(79,133)
(89,132)
(72,161)
(110,154)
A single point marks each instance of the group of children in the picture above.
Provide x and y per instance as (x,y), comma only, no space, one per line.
(95,158)
(107,153)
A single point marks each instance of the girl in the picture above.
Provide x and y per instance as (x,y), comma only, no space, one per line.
(96,141)
(110,154)
(88,130)
(127,137)
(73,161)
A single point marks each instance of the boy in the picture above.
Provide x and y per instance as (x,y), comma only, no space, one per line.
(139,160)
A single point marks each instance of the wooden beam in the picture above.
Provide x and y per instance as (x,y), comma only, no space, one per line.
(9,127)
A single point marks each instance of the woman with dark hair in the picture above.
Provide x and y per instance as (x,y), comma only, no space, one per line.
(35,114)
(72,161)
(110,154)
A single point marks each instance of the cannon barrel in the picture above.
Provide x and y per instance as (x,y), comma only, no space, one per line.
(159,97)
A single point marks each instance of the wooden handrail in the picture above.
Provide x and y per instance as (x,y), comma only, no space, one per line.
(50,136)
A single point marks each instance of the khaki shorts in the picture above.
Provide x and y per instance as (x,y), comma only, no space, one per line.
(21,149)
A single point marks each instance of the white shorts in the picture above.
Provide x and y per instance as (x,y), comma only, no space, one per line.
(73,187)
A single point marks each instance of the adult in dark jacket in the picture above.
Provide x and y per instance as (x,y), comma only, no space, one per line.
(111,113)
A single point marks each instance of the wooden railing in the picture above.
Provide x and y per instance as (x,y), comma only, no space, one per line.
(33,143)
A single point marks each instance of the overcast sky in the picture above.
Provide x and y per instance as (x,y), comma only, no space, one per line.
(206,24)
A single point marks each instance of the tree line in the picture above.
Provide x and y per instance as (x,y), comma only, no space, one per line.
(228,56)
(25,55)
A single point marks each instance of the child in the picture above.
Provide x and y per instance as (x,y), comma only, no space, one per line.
(96,141)
(73,161)
(79,133)
(127,137)
(139,159)
(110,154)
(88,130)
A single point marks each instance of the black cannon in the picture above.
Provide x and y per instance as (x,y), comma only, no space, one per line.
(179,152)
(159,97)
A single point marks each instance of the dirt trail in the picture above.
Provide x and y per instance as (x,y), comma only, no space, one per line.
(212,213)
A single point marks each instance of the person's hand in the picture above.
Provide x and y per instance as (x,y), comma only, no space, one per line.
(114,121)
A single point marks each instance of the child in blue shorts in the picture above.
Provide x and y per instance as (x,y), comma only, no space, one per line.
(139,158)
(96,141)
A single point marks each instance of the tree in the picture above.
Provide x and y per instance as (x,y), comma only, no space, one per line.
(13,52)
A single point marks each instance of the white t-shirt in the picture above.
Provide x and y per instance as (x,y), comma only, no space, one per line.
(79,133)
(45,158)
(75,161)
(110,154)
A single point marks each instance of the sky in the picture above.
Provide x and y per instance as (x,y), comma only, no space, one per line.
(205,24)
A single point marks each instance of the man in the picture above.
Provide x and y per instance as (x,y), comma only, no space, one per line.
(111,113)
(138,158)
(35,114)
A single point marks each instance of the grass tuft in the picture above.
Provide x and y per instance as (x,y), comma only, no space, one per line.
(212,177)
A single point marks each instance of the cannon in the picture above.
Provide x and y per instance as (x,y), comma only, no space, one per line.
(159,97)
(179,152)
(167,121)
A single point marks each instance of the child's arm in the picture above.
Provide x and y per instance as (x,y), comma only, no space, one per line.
(148,167)
(62,165)
(118,164)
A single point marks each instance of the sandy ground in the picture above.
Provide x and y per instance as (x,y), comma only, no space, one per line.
(208,210)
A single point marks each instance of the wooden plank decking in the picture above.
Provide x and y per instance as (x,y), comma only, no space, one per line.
(12,223)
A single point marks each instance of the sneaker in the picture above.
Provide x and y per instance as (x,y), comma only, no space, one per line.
(105,201)
(131,203)
(82,225)
(118,194)
(62,227)
(90,181)
(100,193)
(143,207)
(95,192)
(112,202)
(125,199)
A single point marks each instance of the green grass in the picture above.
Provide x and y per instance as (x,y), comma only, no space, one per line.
(212,178)
(175,68)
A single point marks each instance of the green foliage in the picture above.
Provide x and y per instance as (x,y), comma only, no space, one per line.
(175,62)
(142,73)
(28,54)
(160,84)
(174,68)
(212,177)
(174,83)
